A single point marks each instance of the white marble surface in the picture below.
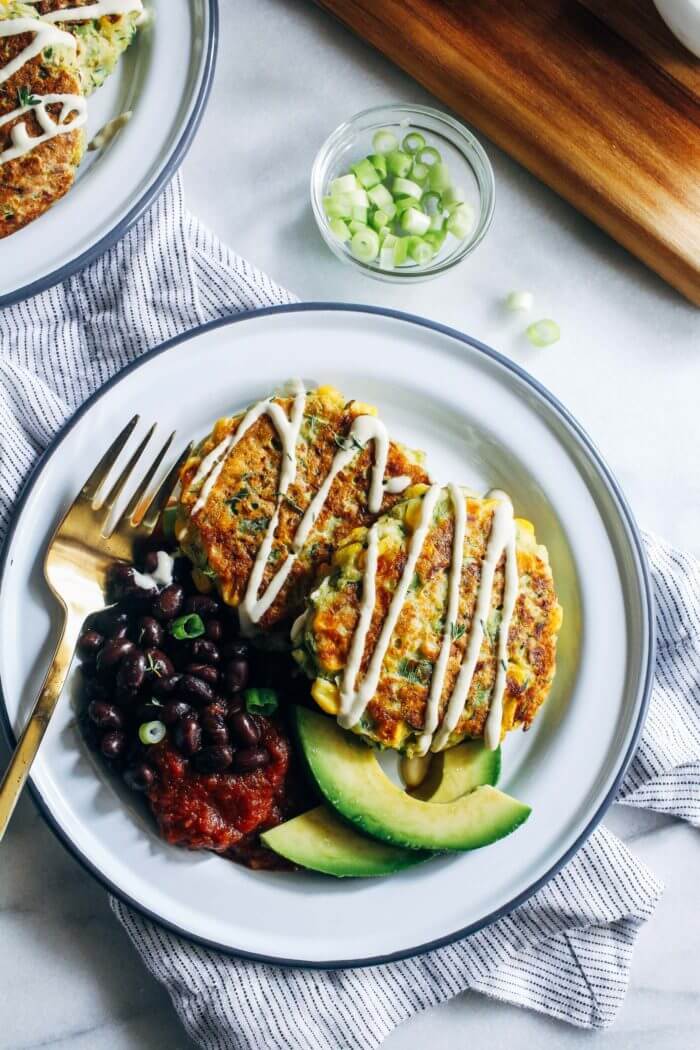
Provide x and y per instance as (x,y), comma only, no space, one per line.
(628,366)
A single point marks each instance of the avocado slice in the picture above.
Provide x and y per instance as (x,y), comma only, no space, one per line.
(321,841)
(454,772)
(348,775)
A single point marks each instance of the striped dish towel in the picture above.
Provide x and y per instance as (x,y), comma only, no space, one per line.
(566,951)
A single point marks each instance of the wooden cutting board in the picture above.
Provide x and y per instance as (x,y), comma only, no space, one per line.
(595,97)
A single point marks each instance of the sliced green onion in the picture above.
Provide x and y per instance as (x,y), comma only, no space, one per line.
(367,174)
(355,226)
(378,161)
(360,215)
(379,196)
(519,301)
(189,626)
(337,207)
(261,701)
(419,250)
(419,172)
(386,255)
(415,222)
(365,245)
(339,229)
(436,239)
(428,155)
(543,333)
(437,223)
(404,203)
(431,203)
(439,177)
(406,188)
(343,184)
(383,233)
(151,732)
(379,219)
(390,209)
(400,251)
(359,198)
(413,142)
(461,222)
(398,163)
(384,141)
(453,195)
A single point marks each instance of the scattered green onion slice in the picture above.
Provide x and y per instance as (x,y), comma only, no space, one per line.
(344,184)
(419,172)
(399,163)
(338,207)
(439,179)
(431,202)
(413,142)
(415,222)
(461,222)
(378,161)
(384,141)
(380,219)
(365,245)
(406,188)
(185,627)
(429,156)
(386,255)
(151,732)
(420,251)
(519,301)
(366,173)
(453,195)
(339,229)
(261,701)
(543,333)
(380,196)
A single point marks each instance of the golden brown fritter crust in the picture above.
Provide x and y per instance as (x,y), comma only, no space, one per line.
(396,714)
(30,184)
(226,535)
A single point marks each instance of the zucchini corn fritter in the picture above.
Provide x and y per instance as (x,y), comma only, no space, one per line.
(396,712)
(34,180)
(101,41)
(223,537)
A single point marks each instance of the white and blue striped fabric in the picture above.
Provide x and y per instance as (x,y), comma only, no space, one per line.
(567,951)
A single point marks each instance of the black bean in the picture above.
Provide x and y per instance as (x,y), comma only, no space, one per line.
(121,630)
(95,690)
(188,735)
(244,729)
(168,604)
(140,777)
(90,643)
(250,759)
(173,711)
(125,697)
(158,664)
(236,650)
(214,759)
(105,715)
(213,630)
(204,652)
(206,672)
(122,573)
(132,670)
(235,704)
(202,605)
(112,653)
(196,690)
(166,685)
(214,729)
(113,743)
(150,632)
(236,675)
(150,562)
(149,712)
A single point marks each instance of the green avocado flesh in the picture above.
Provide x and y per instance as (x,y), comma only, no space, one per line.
(461,769)
(348,775)
(321,841)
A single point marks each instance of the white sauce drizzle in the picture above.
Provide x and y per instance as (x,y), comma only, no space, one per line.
(364,429)
(105,135)
(354,699)
(162,575)
(43,35)
(98,9)
(395,486)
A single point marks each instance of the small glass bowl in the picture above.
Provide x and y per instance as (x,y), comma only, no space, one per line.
(469,167)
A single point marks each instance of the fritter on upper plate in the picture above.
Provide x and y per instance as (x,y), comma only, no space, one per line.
(32,182)
(223,537)
(101,41)
(396,712)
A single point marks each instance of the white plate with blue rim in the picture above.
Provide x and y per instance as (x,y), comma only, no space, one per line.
(482,422)
(163,79)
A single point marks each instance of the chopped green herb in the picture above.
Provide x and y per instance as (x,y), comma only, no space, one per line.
(290,502)
(26,98)
(415,671)
(416,583)
(504,666)
(152,666)
(487,633)
(186,627)
(233,502)
(206,570)
(313,423)
(457,630)
(346,443)
(261,701)
(253,525)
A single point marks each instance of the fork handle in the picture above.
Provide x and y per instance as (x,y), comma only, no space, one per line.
(21,762)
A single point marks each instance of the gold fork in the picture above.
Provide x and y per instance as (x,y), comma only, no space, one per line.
(77,566)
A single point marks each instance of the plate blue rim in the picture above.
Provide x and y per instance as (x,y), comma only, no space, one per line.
(178,155)
(645,586)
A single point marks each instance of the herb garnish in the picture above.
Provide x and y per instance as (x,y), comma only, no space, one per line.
(416,583)
(416,671)
(254,524)
(457,630)
(347,443)
(292,504)
(233,502)
(314,423)
(487,633)
(26,98)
